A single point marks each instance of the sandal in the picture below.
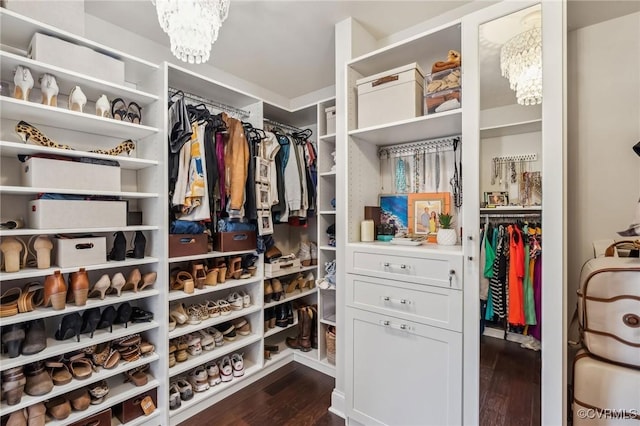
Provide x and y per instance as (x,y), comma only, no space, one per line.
(59,372)
(100,354)
(213,309)
(138,375)
(185,281)
(195,316)
(32,296)
(134,113)
(11,248)
(140,315)
(128,341)
(118,109)
(98,391)
(225,307)
(199,275)
(212,276)
(80,367)
(42,246)
(9,302)
(178,314)
(146,348)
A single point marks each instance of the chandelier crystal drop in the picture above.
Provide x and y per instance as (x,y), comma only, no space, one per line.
(192,26)
(521,63)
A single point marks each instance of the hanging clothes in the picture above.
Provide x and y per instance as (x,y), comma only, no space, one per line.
(236,159)
(516,275)
(499,282)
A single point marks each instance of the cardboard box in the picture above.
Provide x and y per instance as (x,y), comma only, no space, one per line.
(60,174)
(64,15)
(390,96)
(57,214)
(331,119)
(188,244)
(80,59)
(281,266)
(70,252)
(235,241)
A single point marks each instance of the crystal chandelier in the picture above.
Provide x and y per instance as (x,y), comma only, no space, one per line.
(192,26)
(521,62)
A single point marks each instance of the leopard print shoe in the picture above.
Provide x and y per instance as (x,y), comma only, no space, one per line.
(125,146)
(29,134)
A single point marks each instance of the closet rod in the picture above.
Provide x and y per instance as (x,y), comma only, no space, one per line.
(513,215)
(411,147)
(239,113)
(282,125)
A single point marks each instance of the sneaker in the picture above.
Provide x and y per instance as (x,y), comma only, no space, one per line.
(174,396)
(194,348)
(228,331)
(218,338)
(206,340)
(235,300)
(199,379)
(194,314)
(212,308)
(213,372)
(314,254)
(242,326)
(226,369)
(330,269)
(186,391)
(238,365)
(246,299)
(304,253)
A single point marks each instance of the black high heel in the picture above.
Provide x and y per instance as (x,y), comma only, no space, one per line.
(90,320)
(123,316)
(119,247)
(12,338)
(139,245)
(107,318)
(69,327)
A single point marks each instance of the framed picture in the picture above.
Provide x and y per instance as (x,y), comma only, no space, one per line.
(265,223)
(425,209)
(263,170)
(393,211)
(493,199)
(263,197)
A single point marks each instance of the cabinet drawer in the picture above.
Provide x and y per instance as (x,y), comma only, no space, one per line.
(440,307)
(421,266)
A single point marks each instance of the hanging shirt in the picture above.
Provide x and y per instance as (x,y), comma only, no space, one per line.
(516,275)
(529,302)
(498,282)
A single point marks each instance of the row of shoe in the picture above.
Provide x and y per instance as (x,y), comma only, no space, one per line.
(180,314)
(200,275)
(274,290)
(36,252)
(204,378)
(117,109)
(119,250)
(329,279)
(307,330)
(279,316)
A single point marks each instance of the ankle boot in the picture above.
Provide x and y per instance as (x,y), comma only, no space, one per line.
(36,338)
(55,291)
(289,313)
(78,289)
(281,315)
(118,252)
(313,312)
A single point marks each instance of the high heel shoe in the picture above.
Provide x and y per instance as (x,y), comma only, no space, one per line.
(55,291)
(235,268)
(139,245)
(148,280)
(268,291)
(77,99)
(106,319)
(90,319)
(70,326)
(42,246)
(49,90)
(118,252)
(30,134)
(134,113)
(133,280)
(117,283)
(124,146)
(102,106)
(78,287)
(100,287)
(123,315)
(198,274)
(118,109)
(12,337)
(212,277)
(11,248)
(24,83)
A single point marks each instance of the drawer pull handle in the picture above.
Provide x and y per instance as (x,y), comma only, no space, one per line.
(451,274)
(386,323)
(403,266)
(386,264)
(400,301)
(401,327)
(386,298)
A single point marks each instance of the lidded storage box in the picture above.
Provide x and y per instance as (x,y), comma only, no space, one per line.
(390,96)
(331,119)
(62,174)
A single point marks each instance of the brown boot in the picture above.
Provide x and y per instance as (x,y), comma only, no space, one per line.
(303,340)
(313,312)
(55,291)
(78,287)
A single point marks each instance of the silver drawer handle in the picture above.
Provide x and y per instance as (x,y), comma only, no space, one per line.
(386,264)
(400,301)
(403,266)
(451,274)
(401,327)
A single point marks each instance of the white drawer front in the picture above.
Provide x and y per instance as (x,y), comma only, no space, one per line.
(440,307)
(443,270)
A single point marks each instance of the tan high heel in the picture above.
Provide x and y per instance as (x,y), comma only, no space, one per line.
(100,287)
(11,248)
(212,277)
(42,246)
(117,283)
(198,274)
(185,281)
(235,268)
(55,291)
(148,280)
(222,271)
(132,282)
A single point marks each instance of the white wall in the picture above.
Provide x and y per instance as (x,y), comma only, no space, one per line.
(604,123)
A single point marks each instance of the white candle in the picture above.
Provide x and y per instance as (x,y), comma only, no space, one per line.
(366,230)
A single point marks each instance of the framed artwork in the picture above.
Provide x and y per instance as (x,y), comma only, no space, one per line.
(424,211)
(265,222)
(263,197)
(493,199)
(263,170)
(394,211)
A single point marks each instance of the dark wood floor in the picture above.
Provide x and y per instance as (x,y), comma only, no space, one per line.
(293,395)
(509,384)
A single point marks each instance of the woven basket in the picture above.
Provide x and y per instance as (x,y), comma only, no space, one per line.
(330,337)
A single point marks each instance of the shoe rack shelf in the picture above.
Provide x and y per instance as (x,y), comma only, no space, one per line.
(328,248)
(210,255)
(27,231)
(118,392)
(103,373)
(229,284)
(56,347)
(34,272)
(206,356)
(181,330)
(296,294)
(331,137)
(329,320)
(24,190)
(328,174)
(286,272)
(327,212)
(40,313)
(276,329)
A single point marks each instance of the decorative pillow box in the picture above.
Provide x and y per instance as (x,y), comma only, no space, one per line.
(235,241)
(70,252)
(58,214)
(63,174)
(132,408)
(281,266)
(188,244)
(390,96)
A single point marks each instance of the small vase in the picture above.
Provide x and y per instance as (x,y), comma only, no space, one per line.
(447,237)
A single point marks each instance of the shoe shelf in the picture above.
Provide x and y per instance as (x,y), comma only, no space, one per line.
(57,347)
(328,248)
(13,149)
(277,329)
(328,174)
(66,79)
(34,272)
(229,284)
(150,419)
(329,320)
(327,212)
(118,392)
(218,352)
(35,113)
(290,271)
(249,370)
(112,299)
(21,190)
(210,255)
(297,294)
(103,373)
(29,231)
(331,137)
(181,330)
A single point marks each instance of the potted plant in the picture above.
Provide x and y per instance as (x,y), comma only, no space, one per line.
(446,236)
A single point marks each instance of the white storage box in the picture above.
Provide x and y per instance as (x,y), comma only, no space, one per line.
(390,96)
(80,59)
(331,119)
(284,266)
(71,252)
(60,174)
(65,15)
(56,214)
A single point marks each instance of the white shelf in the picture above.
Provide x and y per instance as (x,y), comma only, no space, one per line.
(284,352)
(29,231)
(103,373)
(290,271)
(327,212)
(249,370)
(424,248)
(25,190)
(181,330)
(210,255)
(34,272)
(66,79)
(111,299)
(448,123)
(119,392)
(511,129)
(57,347)
(329,320)
(229,284)
(328,248)
(218,352)
(277,329)
(328,174)
(36,114)
(516,209)
(328,138)
(327,363)
(13,149)
(138,421)
(297,294)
